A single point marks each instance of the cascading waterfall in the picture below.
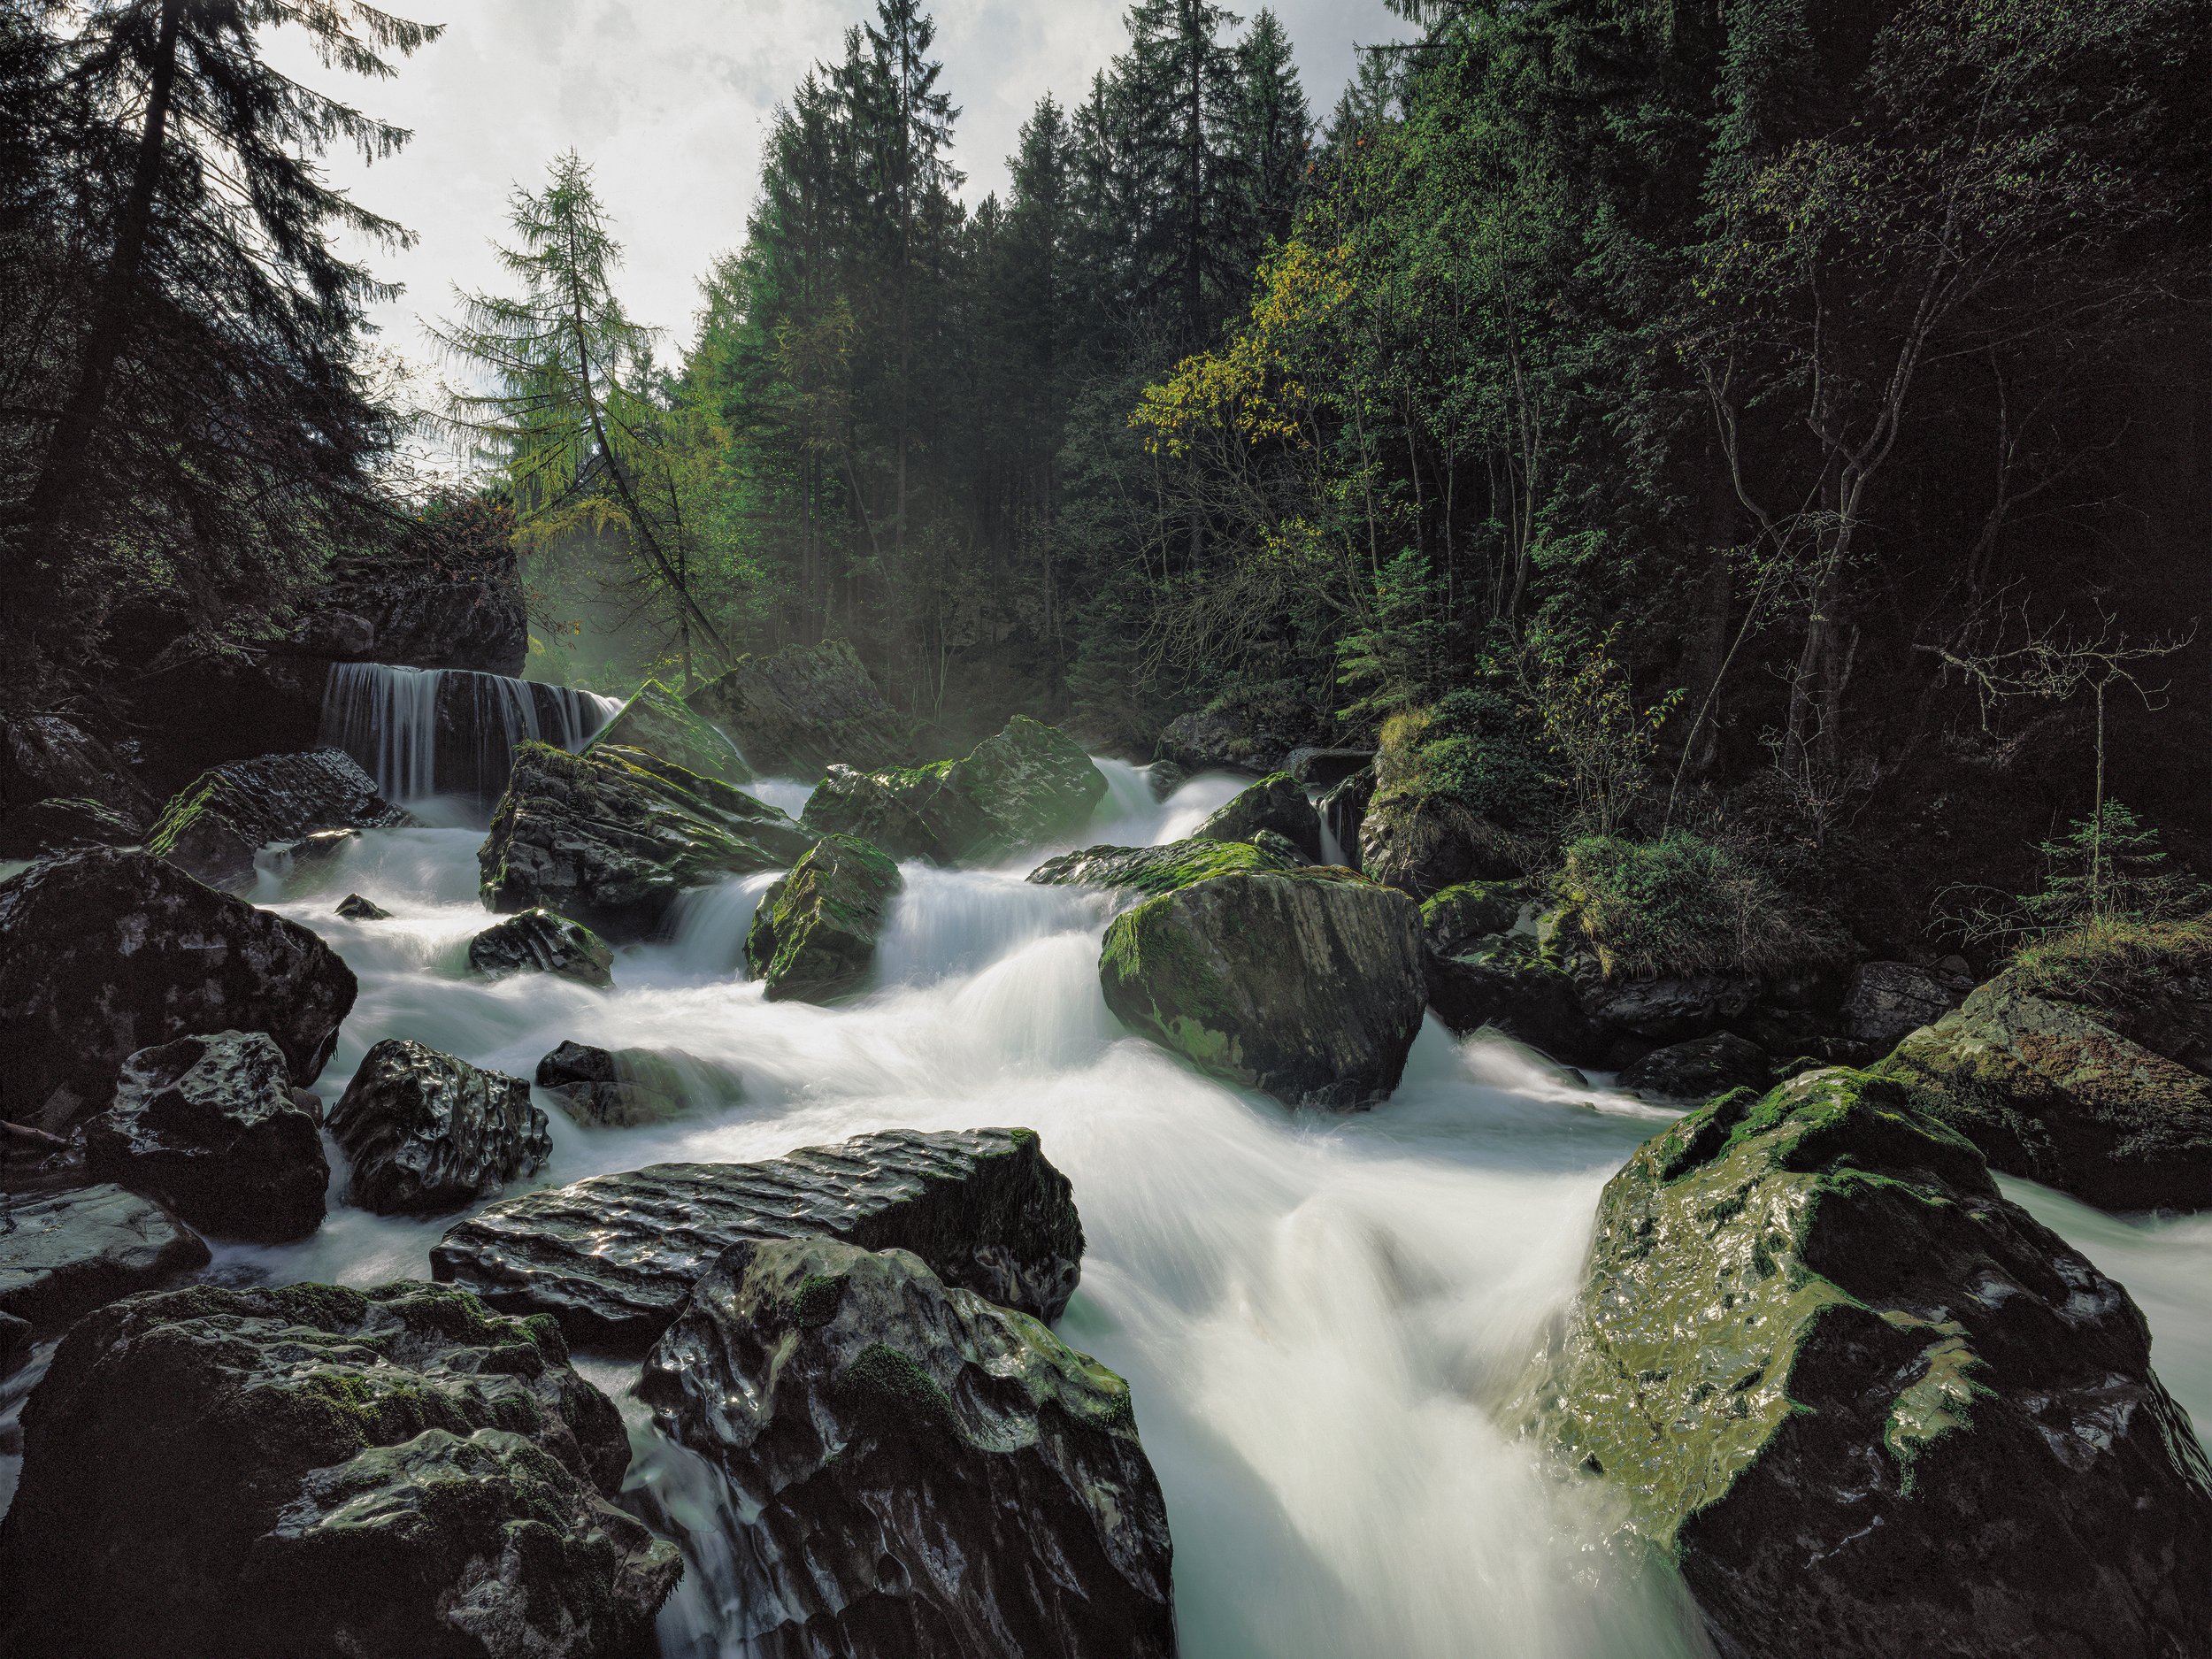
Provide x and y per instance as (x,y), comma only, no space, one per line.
(422,732)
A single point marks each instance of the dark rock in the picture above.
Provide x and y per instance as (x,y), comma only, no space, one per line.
(611,837)
(1422,844)
(621,1088)
(1277,803)
(215,826)
(1700,1069)
(1344,810)
(106,952)
(1164,778)
(656,720)
(45,757)
(354,908)
(1306,985)
(427,1131)
(448,731)
(796,713)
(614,1258)
(1662,1010)
(208,1126)
(1156,869)
(67,824)
(1889,1001)
(813,936)
(1028,785)
(1509,982)
(539,941)
(1459,916)
(923,1475)
(437,602)
(210,1474)
(1325,768)
(1868,1406)
(15,1338)
(1255,736)
(68,1251)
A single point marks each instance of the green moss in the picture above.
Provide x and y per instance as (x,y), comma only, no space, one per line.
(899,1389)
(2111,961)
(1683,905)
(815,1302)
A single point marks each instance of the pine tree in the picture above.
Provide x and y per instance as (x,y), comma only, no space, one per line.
(1274,131)
(1186,105)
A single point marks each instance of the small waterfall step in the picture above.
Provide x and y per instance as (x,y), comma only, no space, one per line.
(424,732)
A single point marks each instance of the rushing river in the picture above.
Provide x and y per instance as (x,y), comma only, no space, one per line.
(1312,1310)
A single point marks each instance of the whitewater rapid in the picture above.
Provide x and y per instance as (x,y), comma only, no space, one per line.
(1316,1314)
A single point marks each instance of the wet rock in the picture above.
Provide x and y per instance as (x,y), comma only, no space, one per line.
(1509,981)
(106,952)
(806,707)
(654,719)
(813,936)
(2103,1094)
(427,1131)
(45,757)
(539,941)
(1306,985)
(208,1126)
(354,908)
(1461,915)
(614,1258)
(1344,810)
(923,1475)
(1869,1407)
(610,837)
(1277,803)
(1030,784)
(229,813)
(1325,768)
(1156,869)
(1662,1010)
(1164,778)
(16,1339)
(621,1088)
(67,824)
(73,1251)
(1700,1069)
(1422,844)
(214,1473)
(1255,736)
(1889,1001)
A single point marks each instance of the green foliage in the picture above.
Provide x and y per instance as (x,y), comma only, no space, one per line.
(1479,748)
(1681,905)
(2115,960)
(2108,868)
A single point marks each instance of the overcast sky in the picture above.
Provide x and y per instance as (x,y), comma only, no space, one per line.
(669,99)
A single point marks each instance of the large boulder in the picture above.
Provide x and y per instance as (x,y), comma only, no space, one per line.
(105,952)
(449,596)
(1306,985)
(610,837)
(813,937)
(66,823)
(1889,1001)
(46,757)
(621,1088)
(797,712)
(2100,1090)
(921,1475)
(427,1131)
(656,720)
(1867,1406)
(1701,1069)
(1255,734)
(1277,803)
(1156,869)
(1030,784)
(539,941)
(208,1126)
(1461,915)
(1512,983)
(66,1252)
(211,1473)
(1422,843)
(614,1258)
(229,813)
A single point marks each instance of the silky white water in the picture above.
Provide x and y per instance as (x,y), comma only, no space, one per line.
(1314,1313)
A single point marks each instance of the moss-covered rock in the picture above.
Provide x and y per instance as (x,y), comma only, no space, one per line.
(806,707)
(217,824)
(214,1473)
(1422,843)
(1460,915)
(813,936)
(1869,1407)
(1156,869)
(1277,803)
(923,1474)
(611,837)
(657,721)
(1307,984)
(1512,983)
(539,941)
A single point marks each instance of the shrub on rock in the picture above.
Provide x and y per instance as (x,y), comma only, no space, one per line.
(1869,1407)
(1277,803)
(657,721)
(214,1473)
(539,941)
(921,1473)
(813,937)
(427,1131)
(208,1126)
(1306,985)
(107,951)
(73,1250)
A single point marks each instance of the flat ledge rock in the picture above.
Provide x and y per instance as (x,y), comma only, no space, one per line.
(68,1252)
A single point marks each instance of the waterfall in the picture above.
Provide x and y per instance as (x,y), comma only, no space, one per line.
(422,732)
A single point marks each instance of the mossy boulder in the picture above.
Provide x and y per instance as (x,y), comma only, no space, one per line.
(1867,1406)
(214,1473)
(657,721)
(2100,1088)
(813,936)
(1423,843)
(610,837)
(924,1475)
(537,940)
(218,825)
(1470,911)
(1306,984)
(1277,803)
(1030,784)
(1156,869)
(427,1131)
(804,708)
